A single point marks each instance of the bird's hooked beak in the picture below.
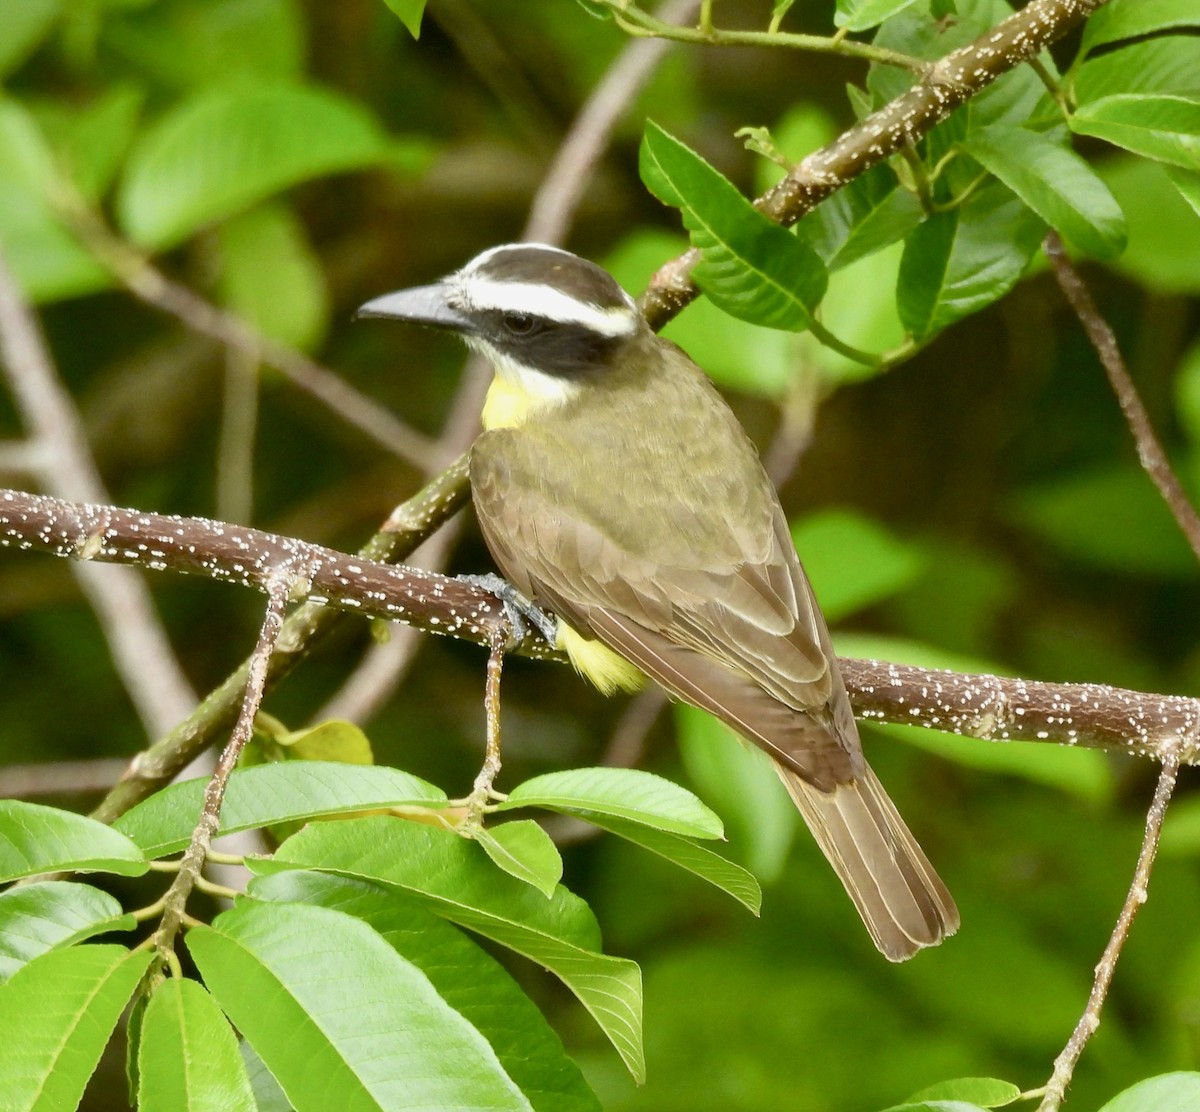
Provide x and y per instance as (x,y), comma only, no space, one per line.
(429,305)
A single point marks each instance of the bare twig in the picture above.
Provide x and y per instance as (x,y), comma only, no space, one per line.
(60,777)
(148,284)
(1150,451)
(1089,1021)
(174,903)
(141,652)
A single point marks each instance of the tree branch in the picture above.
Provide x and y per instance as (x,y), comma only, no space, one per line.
(988,707)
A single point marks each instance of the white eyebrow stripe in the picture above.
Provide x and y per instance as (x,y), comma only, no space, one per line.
(540,300)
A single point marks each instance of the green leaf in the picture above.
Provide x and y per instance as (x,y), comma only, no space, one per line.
(222,150)
(687,854)
(623,793)
(524,850)
(453,878)
(37,839)
(188,1054)
(963,259)
(284,973)
(1056,183)
(1107,517)
(852,561)
(272,793)
(986,1091)
(470,980)
(57,1013)
(46,259)
(1166,128)
(409,13)
(183,46)
(751,267)
(937,1106)
(270,276)
(745,790)
(1159,65)
(861,15)
(24,24)
(332,740)
(36,918)
(1129,19)
(869,214)
(1188,184)
(268,1096)
(1169,1092)
(91,140)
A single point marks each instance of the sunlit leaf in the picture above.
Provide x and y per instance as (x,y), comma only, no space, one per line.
(409,13)
(224,149)
(1128,19)
(1152,66)
(1166,128)
(188,1054)
(35,918)
(1169,1092)
(38,839)
(470,980)
(273,793)
(986,1091)
(284,973)
(623,793)
(963,259)
(1056,183)
(453,878)
(524,850)
(751,267)
(57,1013)
(861,15)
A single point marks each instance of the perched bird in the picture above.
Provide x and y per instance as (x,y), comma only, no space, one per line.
(616,489)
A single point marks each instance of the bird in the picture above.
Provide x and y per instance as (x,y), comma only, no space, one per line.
(615,489)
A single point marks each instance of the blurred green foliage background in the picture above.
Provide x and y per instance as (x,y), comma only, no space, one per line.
(980,507)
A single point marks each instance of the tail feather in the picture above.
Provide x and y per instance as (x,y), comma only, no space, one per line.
(902,901)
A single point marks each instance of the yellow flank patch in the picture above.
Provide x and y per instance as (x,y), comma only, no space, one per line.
(597,663)
(506,406)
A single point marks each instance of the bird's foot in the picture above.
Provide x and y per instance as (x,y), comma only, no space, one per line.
(519,612)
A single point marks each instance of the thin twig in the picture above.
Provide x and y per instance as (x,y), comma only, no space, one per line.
(141,651)
(1150,451)
(175,901)
(481,790)
(1089,1021)
(149,285)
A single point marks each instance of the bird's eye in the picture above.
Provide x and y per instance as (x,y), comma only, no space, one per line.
(519,324)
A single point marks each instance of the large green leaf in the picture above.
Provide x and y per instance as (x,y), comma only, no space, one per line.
(36,918)
(1166,128)
(852,561)
(57,1013)
(185,45)
(1157,65)
(694,858)
(1056,183)
(963,259)
(744,788)
(23,26)
(454,878)
(861,15)
(222,150)
(524,850)
(37,839)
(46,259)
(1169,1092)
(1128,19)
(266,794)
(751,267)
(188,1054)
(340,1018)
(623,793)
(470,980)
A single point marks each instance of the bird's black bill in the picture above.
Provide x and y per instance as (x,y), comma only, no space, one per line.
(419,305)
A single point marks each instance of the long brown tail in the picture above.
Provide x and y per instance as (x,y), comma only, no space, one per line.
(902,901)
